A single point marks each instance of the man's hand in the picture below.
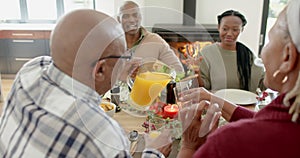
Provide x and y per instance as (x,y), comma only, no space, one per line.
(130,68)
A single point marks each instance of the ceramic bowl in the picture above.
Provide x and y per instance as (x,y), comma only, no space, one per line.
(109,108)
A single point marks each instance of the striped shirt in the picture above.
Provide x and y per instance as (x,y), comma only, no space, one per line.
(49,114)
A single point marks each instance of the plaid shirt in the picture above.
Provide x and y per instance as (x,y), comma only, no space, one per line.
(1,94)
(49,114)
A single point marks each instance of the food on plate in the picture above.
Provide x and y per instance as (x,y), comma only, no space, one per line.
(106,106)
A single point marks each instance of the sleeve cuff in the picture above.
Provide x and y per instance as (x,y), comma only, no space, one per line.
(152,153)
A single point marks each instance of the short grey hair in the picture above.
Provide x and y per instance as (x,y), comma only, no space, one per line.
(125,4)
(293,22)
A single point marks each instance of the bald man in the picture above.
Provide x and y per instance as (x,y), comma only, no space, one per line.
(52,109)
(142,42)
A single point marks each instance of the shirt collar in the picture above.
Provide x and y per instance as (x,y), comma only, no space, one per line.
(275,111)
(72,86)
(143,33)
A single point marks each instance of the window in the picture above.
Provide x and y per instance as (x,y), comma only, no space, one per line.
(77,4)
(11,10)
(275,7)
(271,10)
(39,11)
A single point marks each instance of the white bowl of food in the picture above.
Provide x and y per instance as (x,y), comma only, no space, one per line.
(108,107)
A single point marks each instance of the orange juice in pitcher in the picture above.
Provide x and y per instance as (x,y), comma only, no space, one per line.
(147,86)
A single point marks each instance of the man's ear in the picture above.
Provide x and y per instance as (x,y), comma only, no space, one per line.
(98,71)
(289,58)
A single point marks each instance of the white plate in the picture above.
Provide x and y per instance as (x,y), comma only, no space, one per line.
(237,96)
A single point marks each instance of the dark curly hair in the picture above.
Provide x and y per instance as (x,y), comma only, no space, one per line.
(244,54)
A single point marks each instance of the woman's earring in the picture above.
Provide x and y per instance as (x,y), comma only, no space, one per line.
(283,80)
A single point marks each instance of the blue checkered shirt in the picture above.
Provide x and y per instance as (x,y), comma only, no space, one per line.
(49,114)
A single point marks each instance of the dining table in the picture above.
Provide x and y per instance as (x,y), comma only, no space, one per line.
(131,122)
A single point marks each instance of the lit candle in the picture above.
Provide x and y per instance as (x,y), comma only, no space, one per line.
(170,111)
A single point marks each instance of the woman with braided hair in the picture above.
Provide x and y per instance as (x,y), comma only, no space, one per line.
(274,131)
(229,63)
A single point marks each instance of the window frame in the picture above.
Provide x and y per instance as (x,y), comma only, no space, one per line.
(263,27)
(264,24)
(24,13)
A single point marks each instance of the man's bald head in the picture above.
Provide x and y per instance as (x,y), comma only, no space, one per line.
(80,38)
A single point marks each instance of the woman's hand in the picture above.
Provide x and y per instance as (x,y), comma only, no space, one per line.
(195,95)
(191,118)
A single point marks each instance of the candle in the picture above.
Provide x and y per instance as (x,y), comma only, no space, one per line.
(170,111)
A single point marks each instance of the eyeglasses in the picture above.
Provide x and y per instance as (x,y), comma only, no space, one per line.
(116,57)
(128,57)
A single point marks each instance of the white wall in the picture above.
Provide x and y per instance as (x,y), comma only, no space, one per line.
(162,11)
(111,7)
(207,12)
(104,6)
(170,11)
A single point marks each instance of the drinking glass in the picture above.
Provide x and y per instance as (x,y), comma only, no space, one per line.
(156,125)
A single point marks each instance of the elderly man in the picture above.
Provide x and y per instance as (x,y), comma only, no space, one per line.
(143,43)
(52,109)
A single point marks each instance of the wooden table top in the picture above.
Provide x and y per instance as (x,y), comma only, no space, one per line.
(129,122)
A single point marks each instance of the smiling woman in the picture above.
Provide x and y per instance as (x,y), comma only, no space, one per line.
(229,63)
